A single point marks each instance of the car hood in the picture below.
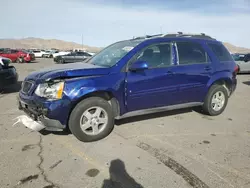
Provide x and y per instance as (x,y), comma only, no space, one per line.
(68,71)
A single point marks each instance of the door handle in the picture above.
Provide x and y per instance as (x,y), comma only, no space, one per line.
(207,68)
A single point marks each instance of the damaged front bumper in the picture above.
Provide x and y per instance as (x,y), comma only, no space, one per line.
(39,116)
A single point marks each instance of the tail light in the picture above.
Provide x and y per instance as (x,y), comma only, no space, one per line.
(236,69)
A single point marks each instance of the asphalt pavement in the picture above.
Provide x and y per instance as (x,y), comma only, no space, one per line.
(177,149)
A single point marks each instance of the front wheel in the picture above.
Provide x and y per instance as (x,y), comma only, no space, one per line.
(216,100)
(91,120)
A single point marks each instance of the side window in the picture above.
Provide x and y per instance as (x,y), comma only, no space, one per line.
(6,51)
(86,54)
(81,53)
(13,51)
(191,53)
(158,55)
(221,52)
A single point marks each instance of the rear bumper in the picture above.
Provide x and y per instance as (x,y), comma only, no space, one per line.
(51,115)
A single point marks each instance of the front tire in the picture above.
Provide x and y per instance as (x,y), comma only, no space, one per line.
(216,100)
(92,119)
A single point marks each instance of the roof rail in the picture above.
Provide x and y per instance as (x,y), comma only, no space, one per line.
(147,36)
(178,34)
(181,34)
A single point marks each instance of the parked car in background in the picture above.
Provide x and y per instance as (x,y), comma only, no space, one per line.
(72,57)
(49,53)
(61,53)
(3,49)
(137,76)
(8,74)
(243,61)
(18,56)
(91,53)
(38,53)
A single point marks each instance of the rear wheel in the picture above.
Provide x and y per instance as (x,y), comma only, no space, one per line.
(216,100)
(92,119)
(19,60)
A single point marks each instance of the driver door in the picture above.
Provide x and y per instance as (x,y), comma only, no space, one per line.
(155,86)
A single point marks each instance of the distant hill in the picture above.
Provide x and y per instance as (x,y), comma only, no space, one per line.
(65,45)
(236,49)
(30,42)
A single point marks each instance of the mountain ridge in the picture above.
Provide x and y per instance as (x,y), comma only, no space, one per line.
(32,42)
(40,43)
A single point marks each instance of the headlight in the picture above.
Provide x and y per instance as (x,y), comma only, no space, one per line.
(50,90)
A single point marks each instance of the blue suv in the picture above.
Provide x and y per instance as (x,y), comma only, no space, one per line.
(132,77)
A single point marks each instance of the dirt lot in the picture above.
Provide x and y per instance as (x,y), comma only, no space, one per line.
(173,149)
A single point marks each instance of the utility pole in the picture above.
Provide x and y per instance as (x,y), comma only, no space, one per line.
(161,29)
(82,41)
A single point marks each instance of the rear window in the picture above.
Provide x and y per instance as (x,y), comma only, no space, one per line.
(221,52)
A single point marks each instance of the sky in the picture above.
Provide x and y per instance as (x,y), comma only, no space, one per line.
(102,22)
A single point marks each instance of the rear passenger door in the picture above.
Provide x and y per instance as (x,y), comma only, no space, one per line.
(14,55)
(193,71)
(224,60)
(70,58)
(80,56)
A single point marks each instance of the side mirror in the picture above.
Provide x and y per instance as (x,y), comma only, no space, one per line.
(138,65)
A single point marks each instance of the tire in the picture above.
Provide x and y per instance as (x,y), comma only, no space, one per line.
(61,61)
(78,112)
(209,107)
(51,56)
(19,60)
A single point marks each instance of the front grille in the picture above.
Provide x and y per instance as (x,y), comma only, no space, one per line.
(27,86)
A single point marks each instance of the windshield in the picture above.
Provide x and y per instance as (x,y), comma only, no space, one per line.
(110,55)
(25,51)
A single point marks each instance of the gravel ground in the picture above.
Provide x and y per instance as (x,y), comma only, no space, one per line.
(173,149)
